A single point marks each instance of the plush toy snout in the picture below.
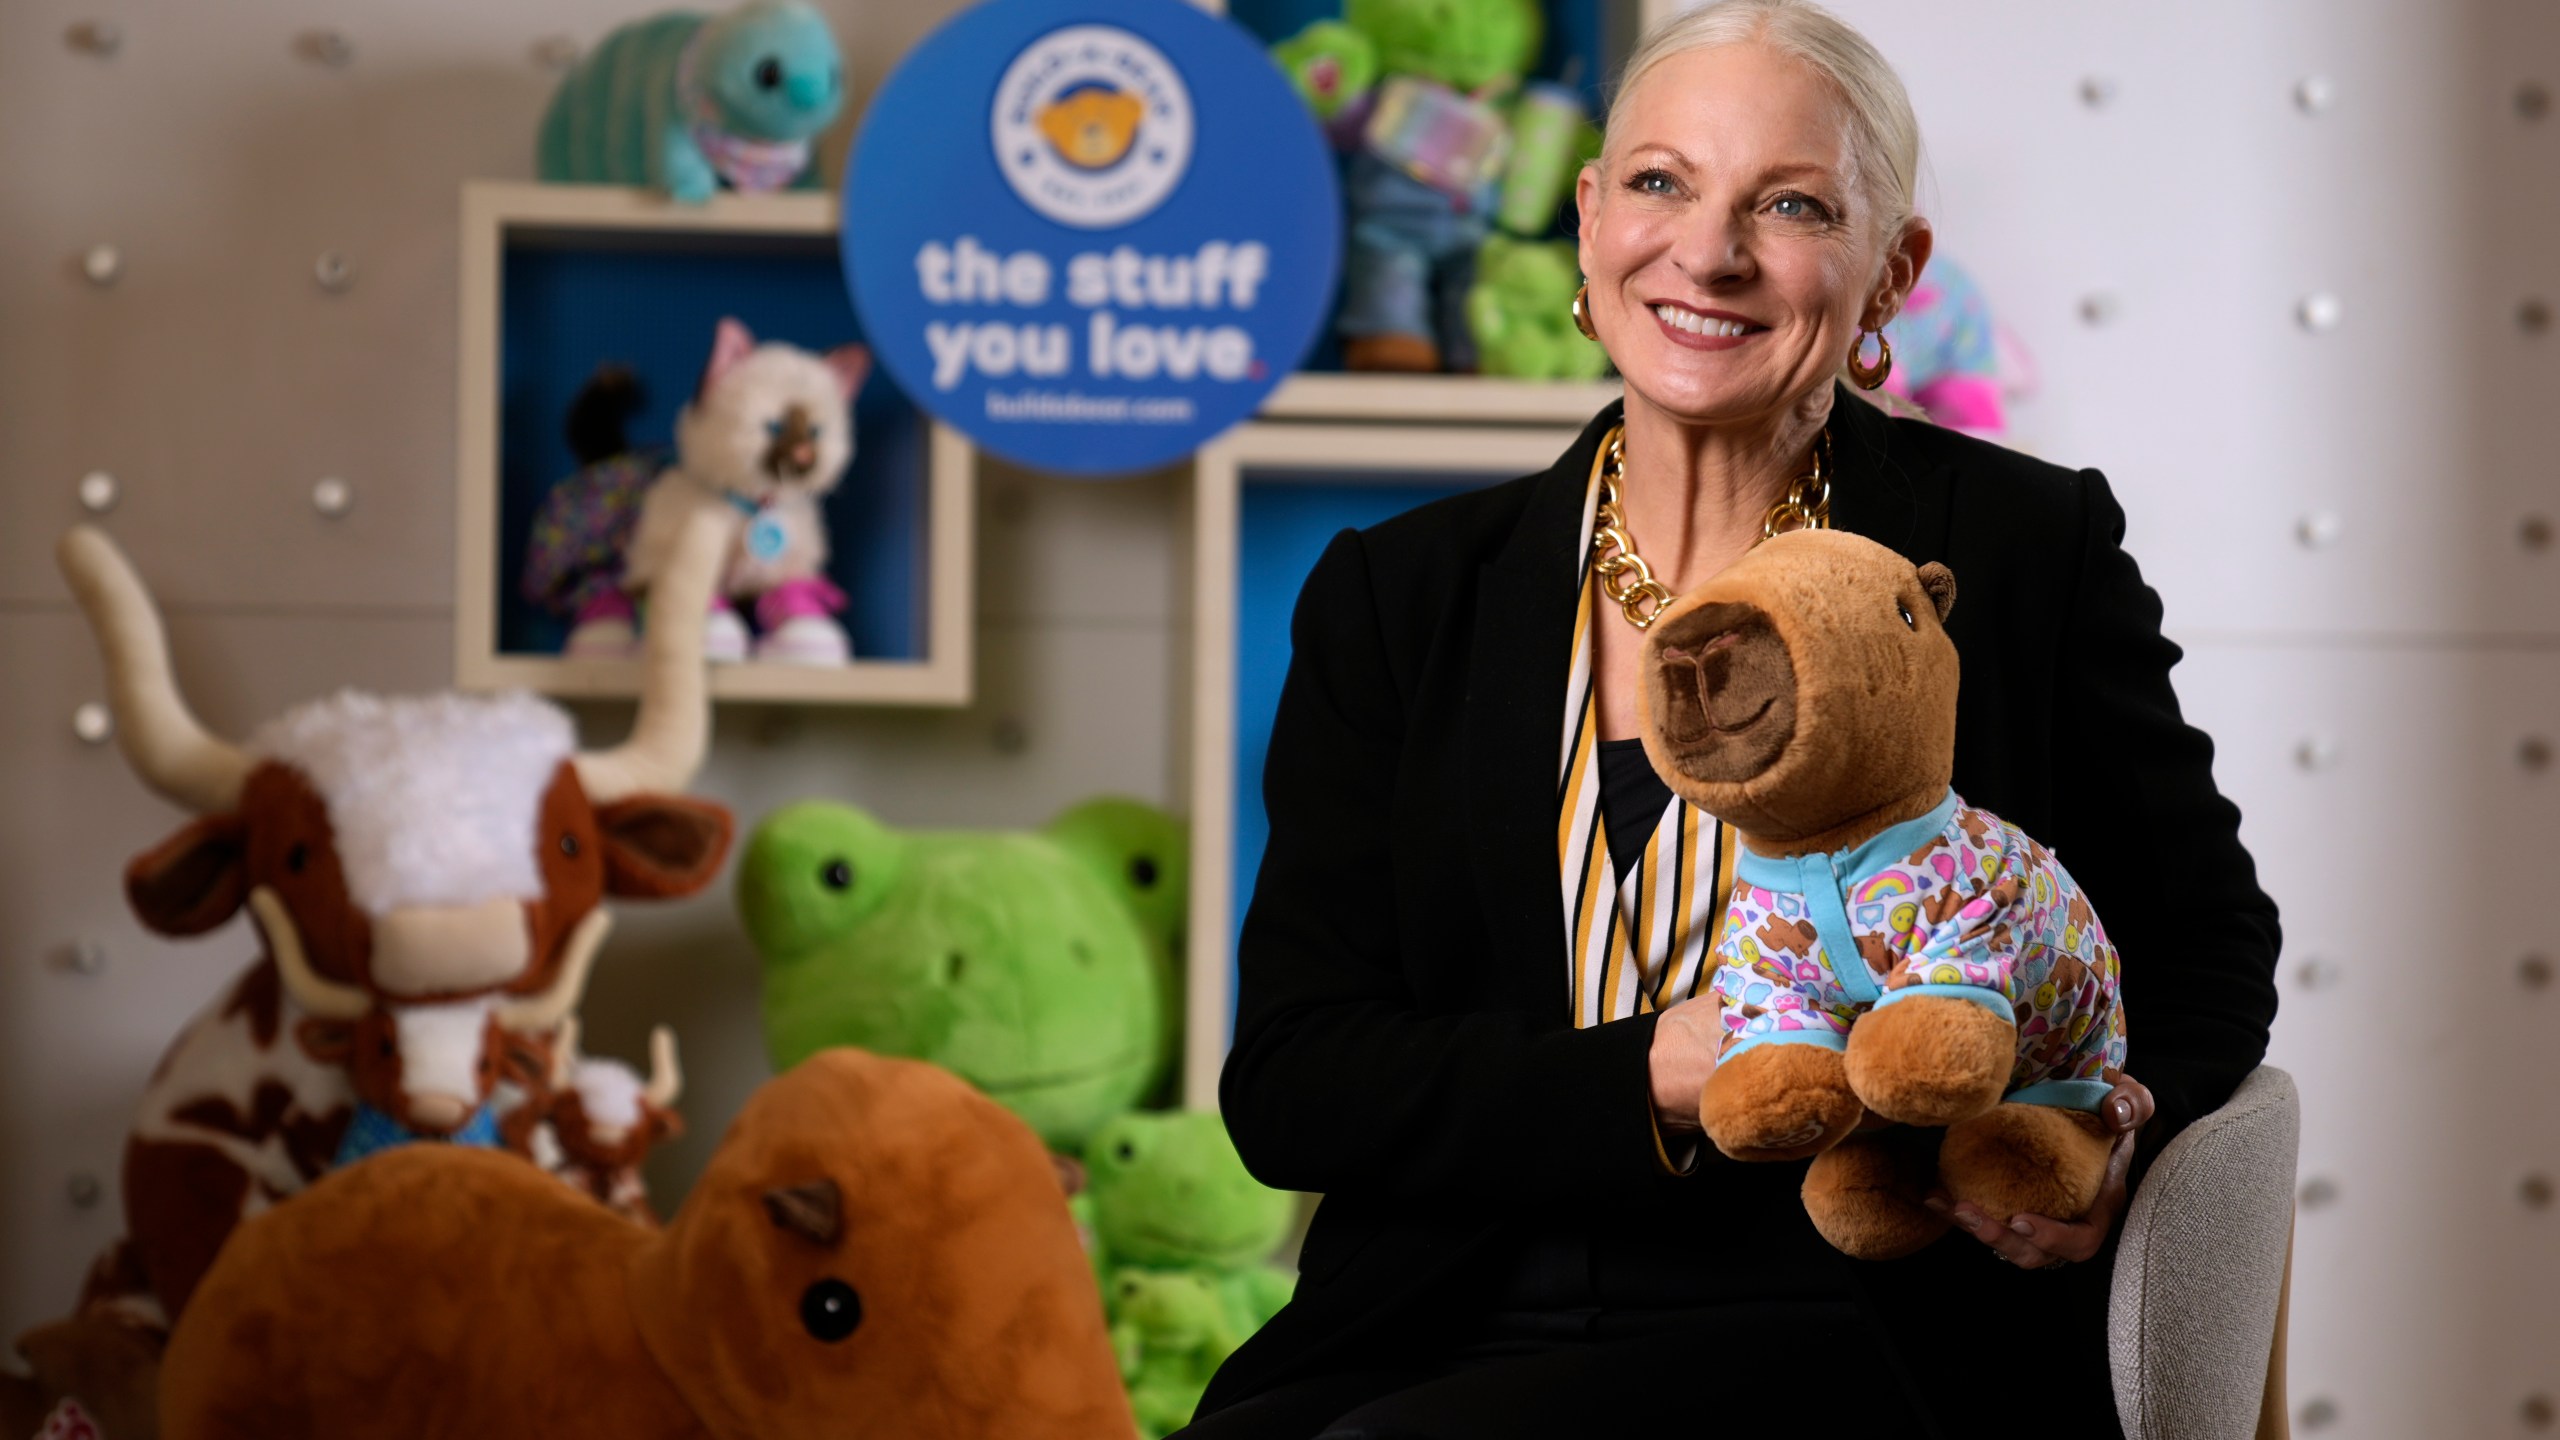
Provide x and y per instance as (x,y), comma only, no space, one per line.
(1724,692)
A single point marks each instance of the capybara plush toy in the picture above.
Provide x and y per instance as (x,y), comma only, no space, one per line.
(1887,947)
(875,1248)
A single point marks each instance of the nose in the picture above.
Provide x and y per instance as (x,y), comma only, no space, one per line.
(439,1114)
(805,87)
(433,949)
(1715,250)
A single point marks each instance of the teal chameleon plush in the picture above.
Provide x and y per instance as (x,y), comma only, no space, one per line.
(1039,966)
(684,103)
(1182,1236)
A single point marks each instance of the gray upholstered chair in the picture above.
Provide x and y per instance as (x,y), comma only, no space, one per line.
(2196,1325)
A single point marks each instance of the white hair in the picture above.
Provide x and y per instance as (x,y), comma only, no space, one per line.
(1885,134)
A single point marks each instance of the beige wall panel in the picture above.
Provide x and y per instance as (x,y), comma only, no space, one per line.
(2410,866)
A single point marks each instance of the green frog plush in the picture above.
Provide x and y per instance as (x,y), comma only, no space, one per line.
(1039,966)
(1182,1236)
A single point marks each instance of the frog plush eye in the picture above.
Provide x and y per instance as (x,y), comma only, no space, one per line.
(836,874)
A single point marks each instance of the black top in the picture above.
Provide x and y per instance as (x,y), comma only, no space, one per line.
(1632,799)
(1404,1042)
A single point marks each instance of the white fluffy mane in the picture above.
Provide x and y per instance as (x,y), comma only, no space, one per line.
(433,797)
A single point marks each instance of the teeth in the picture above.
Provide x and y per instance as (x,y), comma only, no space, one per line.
(1697,324)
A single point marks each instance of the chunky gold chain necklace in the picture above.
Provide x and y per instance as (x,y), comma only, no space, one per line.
(1625,578)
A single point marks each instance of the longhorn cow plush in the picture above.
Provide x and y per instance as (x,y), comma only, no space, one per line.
(875,1249)
(426,873)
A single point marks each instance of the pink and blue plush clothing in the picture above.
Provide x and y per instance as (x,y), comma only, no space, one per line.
(1957,903)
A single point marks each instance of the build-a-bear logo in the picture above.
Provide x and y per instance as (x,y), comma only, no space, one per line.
(1092,126)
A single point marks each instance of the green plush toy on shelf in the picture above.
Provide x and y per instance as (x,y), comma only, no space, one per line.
(1183,1237)
(1040,966)
(1521,309)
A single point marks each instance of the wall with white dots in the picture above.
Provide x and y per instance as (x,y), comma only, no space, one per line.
(227,332)
(2285,270)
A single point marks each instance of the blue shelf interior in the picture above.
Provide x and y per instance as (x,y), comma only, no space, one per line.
(575,302)
(1284,522)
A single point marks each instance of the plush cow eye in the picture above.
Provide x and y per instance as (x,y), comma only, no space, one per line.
(297,859)
(569,845)
(1143,872)
(830,1310)
(386,1047)
(1907,622)
(836,875)
(768,73)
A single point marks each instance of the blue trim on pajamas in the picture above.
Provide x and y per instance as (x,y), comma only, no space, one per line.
(1823,1038)
(2084,1095)
(1982,995)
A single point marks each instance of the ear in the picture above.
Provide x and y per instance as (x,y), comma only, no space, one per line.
(814,1211)
(194,880)
(1903,266)
(851,363)
(658,847)
(730,343)
(1940,582)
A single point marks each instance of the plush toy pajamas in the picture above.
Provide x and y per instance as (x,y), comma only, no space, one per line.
(1956,903)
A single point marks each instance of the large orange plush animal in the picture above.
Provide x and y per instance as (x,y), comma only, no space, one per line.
(1887,948)
(876,1249)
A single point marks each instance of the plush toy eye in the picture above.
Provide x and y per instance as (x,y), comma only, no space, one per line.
(1142,873)
(829,1310)
(569,845)
(1124,1152)
(297,859)
(1080,950)
(836,875)
(951,965)
(768,73)
(1907,622)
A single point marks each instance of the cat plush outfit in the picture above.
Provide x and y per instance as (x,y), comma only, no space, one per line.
(1886,948)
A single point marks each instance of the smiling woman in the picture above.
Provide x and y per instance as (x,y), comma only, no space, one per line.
(1472,1002)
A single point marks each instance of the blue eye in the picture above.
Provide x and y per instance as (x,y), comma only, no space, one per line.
(1652,182)
(1799,207)
(773,428)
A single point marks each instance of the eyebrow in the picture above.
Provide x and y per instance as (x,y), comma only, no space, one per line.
(1798,170)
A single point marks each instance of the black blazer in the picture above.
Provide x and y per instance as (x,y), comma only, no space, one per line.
(1403,1039)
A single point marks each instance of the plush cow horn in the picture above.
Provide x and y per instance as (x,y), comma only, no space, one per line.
(564,1053)
(673,726)
(160,737)
(326,999)
(665,1082)
(537,1013)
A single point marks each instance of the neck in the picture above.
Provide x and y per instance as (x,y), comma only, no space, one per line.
(1694,494)
(1857,830)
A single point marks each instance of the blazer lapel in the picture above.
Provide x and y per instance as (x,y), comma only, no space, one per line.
(1521,652)
(1875,492)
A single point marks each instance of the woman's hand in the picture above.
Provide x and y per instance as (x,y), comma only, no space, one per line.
(1685,1040)
(2032,1242)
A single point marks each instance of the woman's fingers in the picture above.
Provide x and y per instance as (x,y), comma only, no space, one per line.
(2033,1242)
(2129,1106)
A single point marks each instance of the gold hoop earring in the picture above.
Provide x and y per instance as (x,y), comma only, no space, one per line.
(1582,312)
(1868,379)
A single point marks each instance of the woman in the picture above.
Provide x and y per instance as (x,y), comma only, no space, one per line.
(1518,1235)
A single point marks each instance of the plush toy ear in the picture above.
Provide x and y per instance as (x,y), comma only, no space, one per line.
(194,880)
(331,1042)
(662,846)
(852,363)
(814,1211)
(1940,582)
(730,343)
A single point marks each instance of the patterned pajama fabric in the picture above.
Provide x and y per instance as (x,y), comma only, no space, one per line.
(582,528)
(1959,903)
(374,1130)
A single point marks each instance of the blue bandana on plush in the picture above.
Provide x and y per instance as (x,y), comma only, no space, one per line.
(683,102)
(373,1129)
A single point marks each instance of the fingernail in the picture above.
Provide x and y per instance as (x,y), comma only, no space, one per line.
(2021,1227)
(2123,1109)
(1934,1203)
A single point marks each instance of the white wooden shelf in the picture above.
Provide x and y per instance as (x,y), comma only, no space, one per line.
(1437,399)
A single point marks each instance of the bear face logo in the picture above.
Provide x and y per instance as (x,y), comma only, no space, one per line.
(1091,127)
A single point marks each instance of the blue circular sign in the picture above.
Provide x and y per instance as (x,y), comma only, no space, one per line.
(1091,236)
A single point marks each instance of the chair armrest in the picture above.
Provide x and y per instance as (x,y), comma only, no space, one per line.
(2200,1269)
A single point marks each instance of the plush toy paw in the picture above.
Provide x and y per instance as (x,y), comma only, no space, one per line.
(611,638)
(1779,1102)
(806,640)
(1931,1059)
(1409,353)
(2026,1160)
(1868,1194)
(724,635)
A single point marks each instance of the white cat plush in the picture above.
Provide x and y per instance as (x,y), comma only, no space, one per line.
(767,436)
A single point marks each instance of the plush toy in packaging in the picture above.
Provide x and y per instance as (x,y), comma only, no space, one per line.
(1183,1237)
(766,437)
(1522,316)
(1887,947)
(874,1248)
(1421,94)
(686,103)
(1038,965)
(1952,357)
